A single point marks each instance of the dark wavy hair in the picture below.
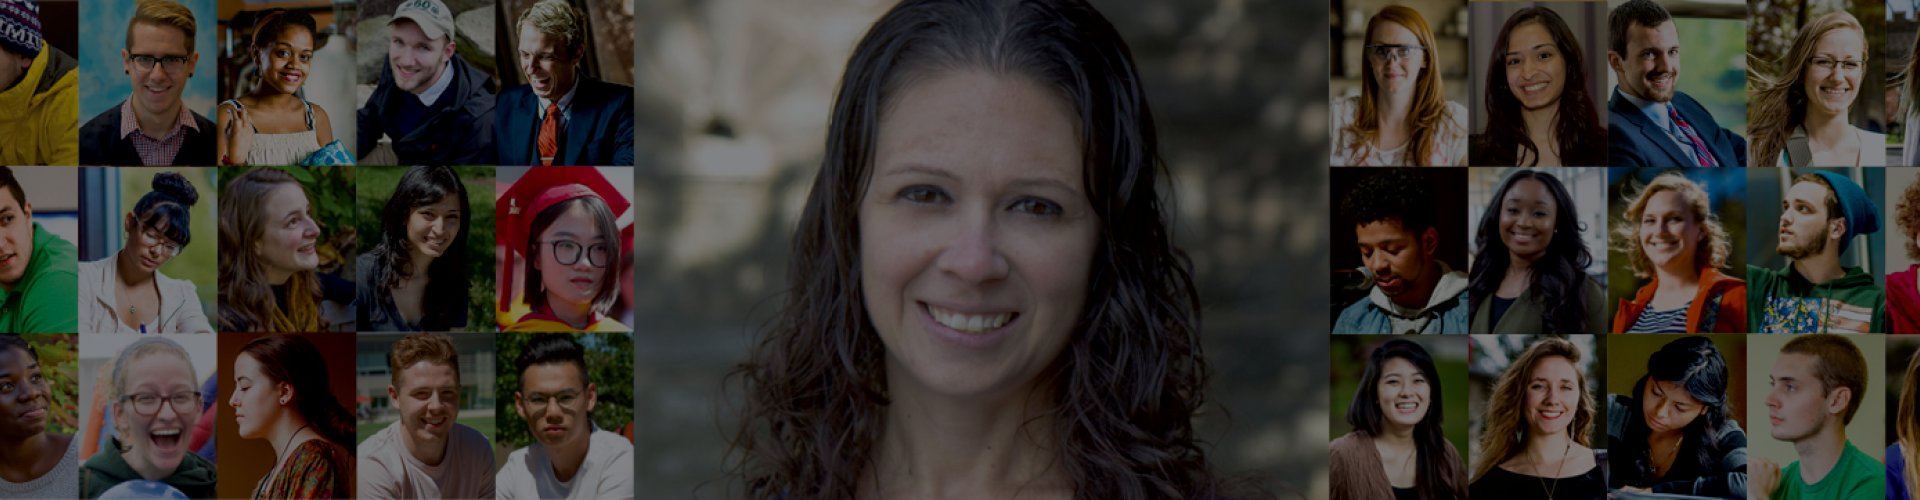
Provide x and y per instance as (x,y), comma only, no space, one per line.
(1128,383)
(1557,277)
(1429,439)
(295,361)
(1694,364)
(445,302)
(166,208)
(1576,127)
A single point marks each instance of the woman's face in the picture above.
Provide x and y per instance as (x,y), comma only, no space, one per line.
(149,423)
(1833,75)
(1553,395)
(1396,75)
(1526,219)
(24,402)
(432,227)
(1667,406)
(288,242)
(255,398)
(149,245)
(579,240)
(285,61)
(1536,71)
(1404,392)
(1669,233)
(977,233)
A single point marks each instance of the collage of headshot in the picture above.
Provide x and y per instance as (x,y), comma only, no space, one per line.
(1600,195)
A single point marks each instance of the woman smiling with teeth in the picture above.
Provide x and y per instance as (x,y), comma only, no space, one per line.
(1535,440)
(416,279)
(272,124)
(1529,271)
(1397,448)
(1800,115)
(1539,110)
(987,302)
(156,402)
(1670,234)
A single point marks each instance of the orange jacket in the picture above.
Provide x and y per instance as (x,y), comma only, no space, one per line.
(1729,314)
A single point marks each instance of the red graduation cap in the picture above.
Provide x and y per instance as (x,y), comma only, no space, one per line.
(538,189)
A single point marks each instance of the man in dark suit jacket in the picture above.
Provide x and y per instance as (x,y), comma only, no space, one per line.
(1641,128)
(559,118)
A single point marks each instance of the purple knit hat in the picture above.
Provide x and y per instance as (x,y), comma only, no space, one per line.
(20,27)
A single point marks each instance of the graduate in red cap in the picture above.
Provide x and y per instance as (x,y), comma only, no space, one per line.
(561,219)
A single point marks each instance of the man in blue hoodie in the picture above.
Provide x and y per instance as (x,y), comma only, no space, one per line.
(1413,292)
(436,108)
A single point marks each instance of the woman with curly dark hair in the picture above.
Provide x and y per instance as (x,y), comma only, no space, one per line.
(1529,265)
(986,296)
(1675,433)
(1539,112)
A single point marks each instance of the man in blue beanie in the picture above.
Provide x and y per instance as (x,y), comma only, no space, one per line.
(1813,293)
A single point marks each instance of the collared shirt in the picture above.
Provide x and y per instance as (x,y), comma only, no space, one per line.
(433,93)
(155,151)
(1657,111)
(566,104)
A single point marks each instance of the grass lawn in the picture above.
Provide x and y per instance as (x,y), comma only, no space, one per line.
(482,424)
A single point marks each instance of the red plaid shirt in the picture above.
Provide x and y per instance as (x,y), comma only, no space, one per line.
(155,152)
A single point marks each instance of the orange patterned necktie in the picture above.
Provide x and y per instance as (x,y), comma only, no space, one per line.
(550,134)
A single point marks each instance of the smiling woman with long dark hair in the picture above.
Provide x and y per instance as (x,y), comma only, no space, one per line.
(1539,112)
(1529,267)
(416,278)
(1397,448)
(983,277)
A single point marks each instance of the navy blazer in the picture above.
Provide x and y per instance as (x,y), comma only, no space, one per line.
(1635,141)
(599,127)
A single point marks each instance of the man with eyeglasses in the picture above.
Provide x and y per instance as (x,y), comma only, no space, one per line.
(39,272)
(153,126)
(425,454)
(570,457)
(39,93)
(1650,123)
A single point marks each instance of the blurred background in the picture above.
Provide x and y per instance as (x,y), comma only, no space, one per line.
(58,353)
(1765,189)
(1627,357)
(732,104)
(1903,24)
(1448,186)
(330,198)
(1588,20)
(97,354)
(372,377)
(55,195)
(1347,25)
(110,194)
(1493,355)
(1586,185)
(1347,359)
(104,82)
(1870,428)
(1773,24)
(329,80)
(374,185)
(1713,57)
(1726,198)
(610,359)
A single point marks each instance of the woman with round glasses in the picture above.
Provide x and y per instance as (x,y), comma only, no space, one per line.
(156,404)
(565,219)
(1401,117)
(1800,116)
(127,293)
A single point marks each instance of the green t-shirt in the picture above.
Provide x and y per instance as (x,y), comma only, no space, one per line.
(1856,475)
(47,298)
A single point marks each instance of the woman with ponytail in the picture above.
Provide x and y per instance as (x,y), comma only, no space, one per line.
(126,293)
(280,394)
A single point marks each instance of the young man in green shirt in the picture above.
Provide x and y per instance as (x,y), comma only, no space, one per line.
(1819,216)
(39,272)
(1818,383)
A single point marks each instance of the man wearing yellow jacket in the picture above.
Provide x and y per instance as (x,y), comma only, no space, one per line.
(41,124)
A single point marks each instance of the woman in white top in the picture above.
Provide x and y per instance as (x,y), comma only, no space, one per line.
(1401,117)
(272,125)
(1800,116)
(126,293)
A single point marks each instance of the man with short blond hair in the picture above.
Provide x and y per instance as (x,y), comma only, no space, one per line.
(153,126)
(561,117)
